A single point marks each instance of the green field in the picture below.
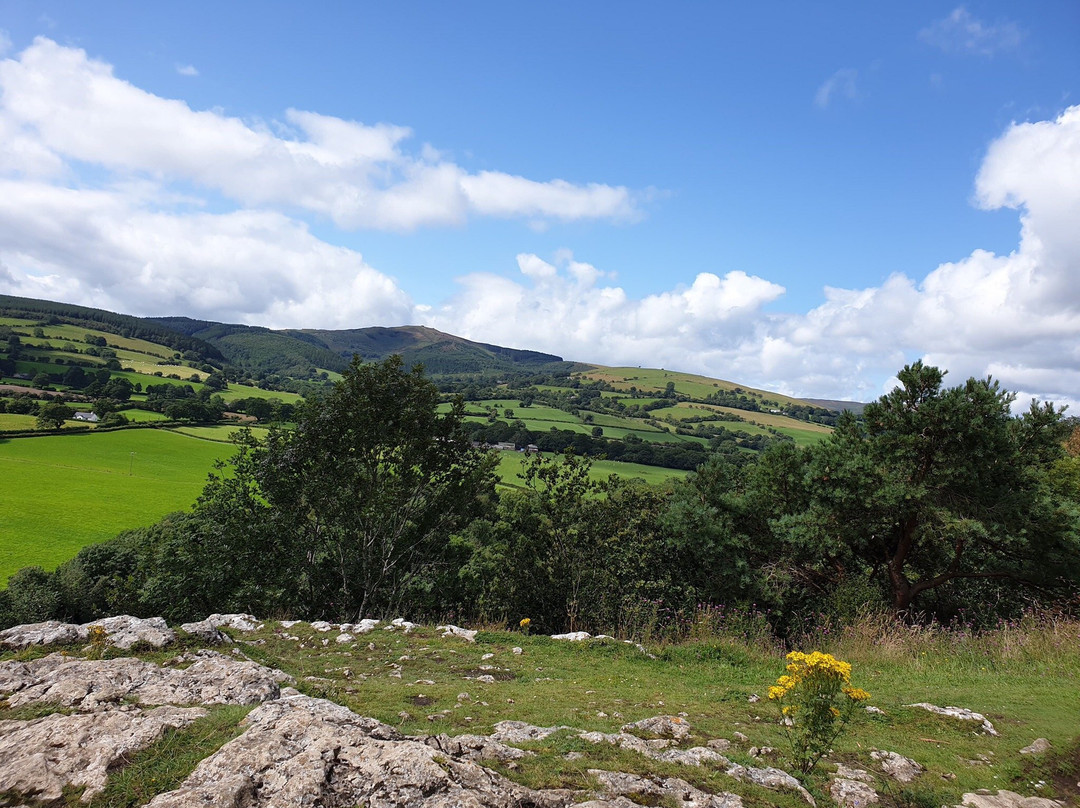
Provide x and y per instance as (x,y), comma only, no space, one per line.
(63,492)
(510,467)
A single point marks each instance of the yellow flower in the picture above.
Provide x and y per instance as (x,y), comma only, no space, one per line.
(525,622)
(856,693)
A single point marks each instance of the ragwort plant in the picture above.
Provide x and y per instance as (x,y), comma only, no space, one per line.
(816,702)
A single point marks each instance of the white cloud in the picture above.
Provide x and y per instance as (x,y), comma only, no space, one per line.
(960,32)
(72,108)
(256,267)
(187,70)
(1014,316)
(840,83)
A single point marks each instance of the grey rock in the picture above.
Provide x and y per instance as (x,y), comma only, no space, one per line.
(44,755)
(469,635)
(719,744)
(474,747)
(961,713)
(852,793)
(207,632)
(404,625)
(1007,799)
(769,777)
(51,632)
(572,636)
(653,789)
(239,622)
(1037,747)
(898,767)
(662,726)
(851,773)
(305,751)
(87,684)
(519,732)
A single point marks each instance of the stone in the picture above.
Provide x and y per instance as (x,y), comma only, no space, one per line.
(651,790)
(512,732)
(207,632)
(124,631)
(365,626)
(50,632)
(306,751)
(44,755)
(469,635)
(573,636)
(898,767)
(740,737)
(344,638)
(961,713)
(662,726)
(86,684)
(851,773)
(719,744)
(516,650)
(321,625)
(1007,799)
(404,625)
(1037,747)
(852,793)
(239,622)
(474,747)
(769,777)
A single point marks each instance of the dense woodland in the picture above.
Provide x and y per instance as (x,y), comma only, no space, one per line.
(937,503)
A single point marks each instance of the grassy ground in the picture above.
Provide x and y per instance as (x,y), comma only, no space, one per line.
(63,492)
(1024,678)
(510,467)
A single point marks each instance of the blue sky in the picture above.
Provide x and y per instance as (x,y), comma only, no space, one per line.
(798,196)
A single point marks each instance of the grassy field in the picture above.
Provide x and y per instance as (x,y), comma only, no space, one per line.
(691,384)
(510,467)
(1025,678)
(63,492)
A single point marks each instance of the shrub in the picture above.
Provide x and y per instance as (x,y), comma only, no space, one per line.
(816,702)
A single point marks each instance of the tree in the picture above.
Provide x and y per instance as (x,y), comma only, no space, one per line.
(362,495)
(935,487)
(52,416)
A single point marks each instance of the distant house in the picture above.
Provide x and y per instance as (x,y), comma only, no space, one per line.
(505,446)
(87,416)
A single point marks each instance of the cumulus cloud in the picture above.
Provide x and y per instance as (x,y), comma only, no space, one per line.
(839,84)
(1014,316)
(259,267)
(70,107)
(960,32)
(187,70)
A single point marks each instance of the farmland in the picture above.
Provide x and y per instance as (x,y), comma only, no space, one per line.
(62,492)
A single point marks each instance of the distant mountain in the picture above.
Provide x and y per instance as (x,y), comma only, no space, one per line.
(297,352)
(839,406)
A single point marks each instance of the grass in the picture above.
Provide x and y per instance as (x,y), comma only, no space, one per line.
(162,766)
(62,492)
(510,466)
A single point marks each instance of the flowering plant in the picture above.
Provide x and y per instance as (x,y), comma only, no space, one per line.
(524,624)
(816,702)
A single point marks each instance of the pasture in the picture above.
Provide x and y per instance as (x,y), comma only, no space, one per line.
(62,492)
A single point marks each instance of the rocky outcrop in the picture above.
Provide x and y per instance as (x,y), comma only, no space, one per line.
(655,789)
(898,767)
(1007,799)
(86,684)
(961,713)
(42,756)
(662,726)
(122,631)
(306,751)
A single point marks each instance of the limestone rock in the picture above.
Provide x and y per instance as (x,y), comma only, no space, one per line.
(86,684)
(1007,799)
(207,632)
(1037,747)
(852,793)
(122,631)
(654,789)
(662,726)
(474,747)
(851,773)
(239,622)
(305,751)
(469,635)
(404,625)
(961,713)
(769,777)
(44,755)
(898,767)
(573,636)
(519,732)
(51,632)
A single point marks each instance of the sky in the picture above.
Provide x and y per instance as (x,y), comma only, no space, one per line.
(799,196)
